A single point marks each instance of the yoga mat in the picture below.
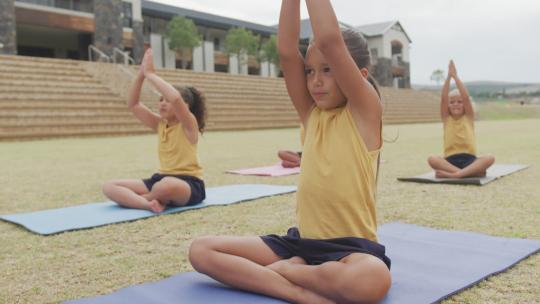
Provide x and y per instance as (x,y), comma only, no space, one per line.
(52,221)
(275,170)
(493,173)
(428,265)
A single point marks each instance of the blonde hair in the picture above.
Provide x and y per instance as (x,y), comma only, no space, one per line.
(454,92)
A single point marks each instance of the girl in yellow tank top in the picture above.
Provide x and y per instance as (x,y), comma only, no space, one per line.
(457,115)
(334,250)
(181,117)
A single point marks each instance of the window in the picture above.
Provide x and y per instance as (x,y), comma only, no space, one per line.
(374,52)
(127,14)
(217,44)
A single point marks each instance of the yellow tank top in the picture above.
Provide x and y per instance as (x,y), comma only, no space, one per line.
(176,154)
(337,186)
(459,136)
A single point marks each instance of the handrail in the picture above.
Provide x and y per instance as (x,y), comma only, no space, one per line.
(102,56)
(126,58)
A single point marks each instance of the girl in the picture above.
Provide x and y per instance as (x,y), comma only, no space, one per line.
(181,117)
(457,115)
(333,256)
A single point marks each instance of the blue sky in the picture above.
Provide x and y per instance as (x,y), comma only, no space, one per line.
(488,39)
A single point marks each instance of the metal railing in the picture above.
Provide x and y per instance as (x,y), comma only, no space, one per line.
(125,58)
(101,57)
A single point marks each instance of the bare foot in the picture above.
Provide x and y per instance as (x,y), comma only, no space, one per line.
(282,265)
(156,206)
(444,174)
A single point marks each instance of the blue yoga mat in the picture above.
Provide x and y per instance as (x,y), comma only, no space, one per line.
(428,265)
(98,214)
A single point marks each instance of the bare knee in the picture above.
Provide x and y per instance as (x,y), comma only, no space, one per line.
(433,160)
(199,251)
(490,159)
(165,188)
(367,282)
(108,187)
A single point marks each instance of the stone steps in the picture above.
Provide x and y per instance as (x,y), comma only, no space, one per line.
(48,98)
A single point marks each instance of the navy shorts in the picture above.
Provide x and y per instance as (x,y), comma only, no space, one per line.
(461,160)
(198,192)
(316,252)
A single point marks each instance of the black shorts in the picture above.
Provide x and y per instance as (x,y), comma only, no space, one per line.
(198,193)
(461,160)
(316,252)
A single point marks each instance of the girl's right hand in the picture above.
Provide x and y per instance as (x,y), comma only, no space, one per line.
(452,69)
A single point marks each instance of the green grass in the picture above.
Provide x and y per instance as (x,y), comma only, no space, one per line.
(56,173)
(493,110)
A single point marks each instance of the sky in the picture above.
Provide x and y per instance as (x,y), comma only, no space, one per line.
(497,40)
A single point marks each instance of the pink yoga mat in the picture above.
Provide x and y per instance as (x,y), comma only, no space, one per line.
(275,170)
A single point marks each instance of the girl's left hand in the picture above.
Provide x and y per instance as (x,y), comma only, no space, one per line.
(148,63)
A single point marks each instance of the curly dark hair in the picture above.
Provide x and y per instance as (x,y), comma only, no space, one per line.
(196,102)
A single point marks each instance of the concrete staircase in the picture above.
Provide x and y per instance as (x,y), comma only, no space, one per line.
(42,98)
(45,98)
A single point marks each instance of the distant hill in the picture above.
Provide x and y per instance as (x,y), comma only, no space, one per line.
(490,87)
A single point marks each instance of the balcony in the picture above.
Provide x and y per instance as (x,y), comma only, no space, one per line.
(85,6)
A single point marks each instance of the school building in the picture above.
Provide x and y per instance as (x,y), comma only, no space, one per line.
(92,29)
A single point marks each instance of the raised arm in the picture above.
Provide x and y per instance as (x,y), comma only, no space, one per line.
(180,107)
(444,96)
(147,117)
(362,97)
(467,104)
(291,60)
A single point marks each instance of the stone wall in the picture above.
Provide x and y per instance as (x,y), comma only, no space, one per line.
(8,32)
(109,28)
(138,41)
(382,72)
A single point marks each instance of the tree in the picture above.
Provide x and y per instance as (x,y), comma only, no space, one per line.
(269,51)
(183,37)
(241,42)
(437,76)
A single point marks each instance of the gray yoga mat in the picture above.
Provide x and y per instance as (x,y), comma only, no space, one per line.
(428,265)
(493,173)
(52,221)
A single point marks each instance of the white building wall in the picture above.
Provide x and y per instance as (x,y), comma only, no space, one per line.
(163,56)
(377,43)
(391,35)
(243,64)
(170,55)
(198,60)
(157,49)
(233,64)
(265,69)
(208,54)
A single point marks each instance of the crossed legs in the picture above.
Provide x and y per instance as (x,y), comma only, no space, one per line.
(444,169)
(133,193)
(248,263)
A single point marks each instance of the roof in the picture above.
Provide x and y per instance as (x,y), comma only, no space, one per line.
(306,31)
(168,11)
(368,30)
(379,29)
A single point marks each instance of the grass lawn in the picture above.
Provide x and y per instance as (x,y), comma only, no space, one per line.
(57,173)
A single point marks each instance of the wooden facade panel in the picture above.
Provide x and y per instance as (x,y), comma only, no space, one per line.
(56,20)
